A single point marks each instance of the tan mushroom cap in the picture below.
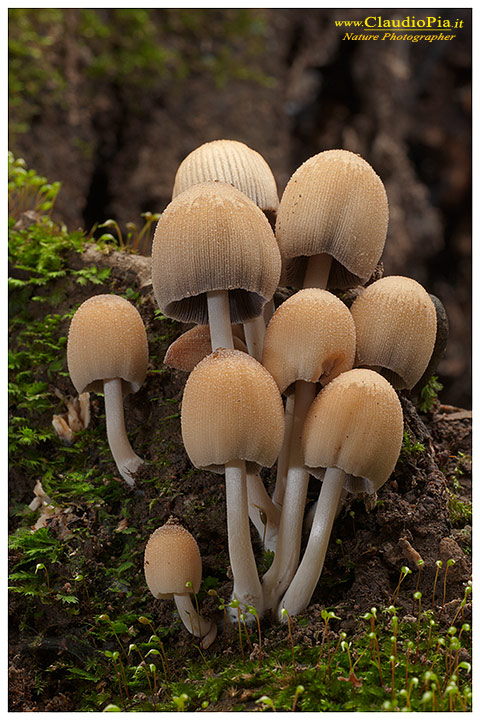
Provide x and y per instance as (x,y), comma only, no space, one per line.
(336,204)
(396,324)
(356,424)
(231,410)
(213,237)
(231,162)
(310,337)
(106,340)
(172,558)
(195,344)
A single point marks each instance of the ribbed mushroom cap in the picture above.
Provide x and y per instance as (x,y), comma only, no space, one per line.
(396,325)
(310,337)
(231,162)
(107,339)
(193,345)
(213,237)
(356,424)
(231,410)
(172,558)
(336,204)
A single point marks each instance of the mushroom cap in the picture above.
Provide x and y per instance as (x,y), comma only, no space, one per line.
(311,337)
(356,424)
(231,410)
(336,204)
(396,324)
(231,162)
(213,237)
(172,558)
(107,339)
(193,345)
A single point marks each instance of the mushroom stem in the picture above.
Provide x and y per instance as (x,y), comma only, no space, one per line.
(263,513)
(317,271)
(282,462)
(282,570)
(126,459)
(306,578)
(307,524)
(246,584)
(195,623)
(219,319)
(254,336)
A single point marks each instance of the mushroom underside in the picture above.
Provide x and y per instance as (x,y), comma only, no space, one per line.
(352,483)
(244,305)
(339,278)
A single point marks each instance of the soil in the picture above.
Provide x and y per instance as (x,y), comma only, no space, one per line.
(411,519)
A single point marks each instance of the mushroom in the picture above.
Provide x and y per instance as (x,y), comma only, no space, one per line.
(193,345)
(231,162)
(310,339)
(352,438)
(332,221)
(184,354)
(396,326)
(232,422)
(173,569)
(234,162)
(215,259)
(107,351)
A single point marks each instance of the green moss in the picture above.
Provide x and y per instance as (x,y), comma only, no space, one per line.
(429,394)
(410,447)
(389,664)
(460,511)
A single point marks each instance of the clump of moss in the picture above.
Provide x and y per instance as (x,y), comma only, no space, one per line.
(429,394)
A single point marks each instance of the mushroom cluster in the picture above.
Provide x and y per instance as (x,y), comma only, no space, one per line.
(311,386)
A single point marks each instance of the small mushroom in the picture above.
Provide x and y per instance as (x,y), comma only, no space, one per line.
(173,569)
(107,351)
(193,345)
(332,221)
(215,259)
(396,324)
(232,422)
(310,339)
(352,438)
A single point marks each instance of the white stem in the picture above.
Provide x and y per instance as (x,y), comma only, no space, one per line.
(282,570)
(282,462)
(219,319)
(125,458)
(259,504)
(254,336)
(246,584)
(306,578)
(307,524)
(195,623)
(317,272)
